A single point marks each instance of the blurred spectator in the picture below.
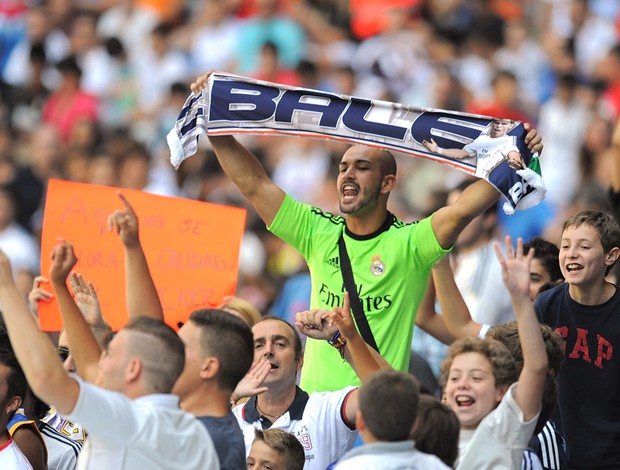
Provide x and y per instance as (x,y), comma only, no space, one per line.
(159,66)
(25,102)
(504,100)
(609,72)
(91,56)
(17,243)
(42,160)
(593,36)
(128,22)
(216,25)
(119,100)
(394,60)
(477,272)
(69,103)
(270,69)
(563,121)
(269,25)
(137,172)
(241,308)
(369,17)
(39,30)
(100,169)
(594,158)
(519,48)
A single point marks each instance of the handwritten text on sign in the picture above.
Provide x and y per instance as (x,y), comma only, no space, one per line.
(192,248)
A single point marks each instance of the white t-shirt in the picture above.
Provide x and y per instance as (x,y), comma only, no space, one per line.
(150,432)
(11,458)
(316,420)
(499,440)
(400,455)
(490,152)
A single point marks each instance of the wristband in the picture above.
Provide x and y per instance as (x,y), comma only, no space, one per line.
(339,342)
(439,151)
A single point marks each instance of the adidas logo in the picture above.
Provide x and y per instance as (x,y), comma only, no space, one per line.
(333,262)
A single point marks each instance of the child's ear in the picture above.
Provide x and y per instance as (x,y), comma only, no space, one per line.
(612,256)
(500,392)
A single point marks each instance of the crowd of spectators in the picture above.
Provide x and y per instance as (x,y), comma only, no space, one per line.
(91,87)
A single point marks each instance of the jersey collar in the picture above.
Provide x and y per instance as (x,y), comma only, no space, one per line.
(387,223)
(295,411)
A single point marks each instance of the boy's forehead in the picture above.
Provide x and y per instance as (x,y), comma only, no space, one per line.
(582,232)
(471,360)
(263,454)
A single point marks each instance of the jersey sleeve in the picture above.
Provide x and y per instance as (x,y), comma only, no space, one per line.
(471,148)
(296,223)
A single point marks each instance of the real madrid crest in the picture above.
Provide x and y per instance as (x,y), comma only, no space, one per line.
(376,266)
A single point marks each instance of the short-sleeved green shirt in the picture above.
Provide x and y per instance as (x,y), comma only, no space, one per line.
(391,268)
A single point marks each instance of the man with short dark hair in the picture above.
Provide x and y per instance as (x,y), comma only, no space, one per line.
(218,353)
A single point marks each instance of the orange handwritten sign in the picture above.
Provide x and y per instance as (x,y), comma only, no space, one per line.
(192,248)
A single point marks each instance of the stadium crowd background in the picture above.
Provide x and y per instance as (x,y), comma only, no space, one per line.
(89,89)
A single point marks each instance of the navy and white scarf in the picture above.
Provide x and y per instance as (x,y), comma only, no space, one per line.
(231,104)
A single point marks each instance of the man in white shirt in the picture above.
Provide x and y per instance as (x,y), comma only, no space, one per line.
(132,420)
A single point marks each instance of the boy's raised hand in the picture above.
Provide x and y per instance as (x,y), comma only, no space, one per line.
(125,223)
(515,267)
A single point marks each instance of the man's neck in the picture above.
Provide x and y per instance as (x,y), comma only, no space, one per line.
(365,224)
(207,401)
(274,404)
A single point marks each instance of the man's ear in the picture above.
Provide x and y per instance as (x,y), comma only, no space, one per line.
(210,368)
(133,370)
(300,361)
(388,183)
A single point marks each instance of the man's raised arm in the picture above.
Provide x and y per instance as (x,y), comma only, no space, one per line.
(245,170)
(81,339)
(33,349)
(140,290)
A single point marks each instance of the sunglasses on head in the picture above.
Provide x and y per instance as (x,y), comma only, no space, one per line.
(63,352)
